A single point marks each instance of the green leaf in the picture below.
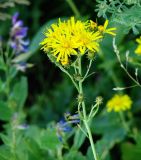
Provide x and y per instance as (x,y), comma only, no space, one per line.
(109,125)
(21,57)
(33,149)
(12,72)
(20,92)
(2,86)
(106,122)
(6,139)
(74,155)
(34,45)
(130,18)
(48,140)
(4,152)
(78,139)
(131,151)
(90,155)
(33,130)
(5,112)
(108,141)
(2,64)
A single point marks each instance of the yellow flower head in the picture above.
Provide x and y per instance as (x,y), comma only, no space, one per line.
(138,49)
(119,103)
(88,41)
(71,37)
(60,42)
(104,29)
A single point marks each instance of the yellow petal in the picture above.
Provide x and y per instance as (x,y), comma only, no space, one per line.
(106,24)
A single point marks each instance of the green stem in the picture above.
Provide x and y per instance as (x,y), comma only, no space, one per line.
(59,154)
(65,71)
(73,7)
(13,148)
(122,66)
(92,113)
(134,80)
(85,115)
(125,125)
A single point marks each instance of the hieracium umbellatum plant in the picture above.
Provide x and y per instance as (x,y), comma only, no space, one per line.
(99,94)
(68,44)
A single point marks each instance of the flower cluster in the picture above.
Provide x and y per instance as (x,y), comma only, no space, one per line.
(138,49)
(72,38)
(18,33)
(17,42)
(64,125)
(119,103)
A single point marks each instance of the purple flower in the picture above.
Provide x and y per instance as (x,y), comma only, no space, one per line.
(14,18)
(0,41)
(18,33)
(17,40)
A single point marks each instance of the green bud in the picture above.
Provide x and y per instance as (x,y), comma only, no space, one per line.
(80,98)
(77,77)
(91,55)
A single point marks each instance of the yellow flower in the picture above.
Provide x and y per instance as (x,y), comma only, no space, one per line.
(73,37)
(138,49)
(104,29)
(88,41)
(68,38)
(76,26)
(60,42)
(119,103)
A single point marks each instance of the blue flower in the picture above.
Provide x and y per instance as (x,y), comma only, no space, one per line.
(64,125)
(74,119)
(18,33)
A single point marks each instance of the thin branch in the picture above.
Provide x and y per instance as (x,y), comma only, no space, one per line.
(122,66)
(65,71)
(88,69)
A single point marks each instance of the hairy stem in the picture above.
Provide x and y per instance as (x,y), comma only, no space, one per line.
(85,115)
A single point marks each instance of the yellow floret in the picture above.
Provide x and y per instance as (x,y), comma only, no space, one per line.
(104,29)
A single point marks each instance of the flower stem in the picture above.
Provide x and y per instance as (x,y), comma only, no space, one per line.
(85,115)
(65,71)
(90,64)
(125,125)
